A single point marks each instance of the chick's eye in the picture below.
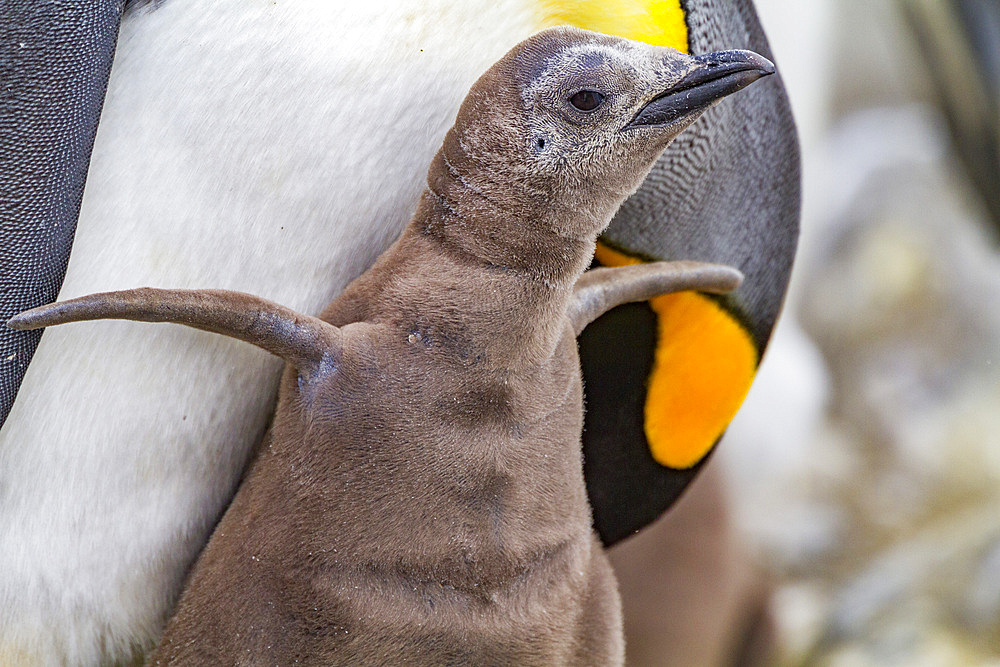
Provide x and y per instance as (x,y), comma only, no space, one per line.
(586,100)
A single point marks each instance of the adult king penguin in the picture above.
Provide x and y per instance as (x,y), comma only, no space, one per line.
(247,146)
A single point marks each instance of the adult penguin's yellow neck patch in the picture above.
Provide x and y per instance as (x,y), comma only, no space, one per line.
(657,22)
(704,363)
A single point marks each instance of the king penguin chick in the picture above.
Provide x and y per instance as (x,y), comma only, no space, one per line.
(419,498)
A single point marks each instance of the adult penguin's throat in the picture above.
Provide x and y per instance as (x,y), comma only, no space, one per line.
(719,74)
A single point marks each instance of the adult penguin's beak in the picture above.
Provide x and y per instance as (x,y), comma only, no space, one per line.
(715,76)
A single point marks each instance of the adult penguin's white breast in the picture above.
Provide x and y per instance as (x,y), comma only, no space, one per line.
(269,147)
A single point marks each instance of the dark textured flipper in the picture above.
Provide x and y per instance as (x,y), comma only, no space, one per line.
(55,58)
(726,191)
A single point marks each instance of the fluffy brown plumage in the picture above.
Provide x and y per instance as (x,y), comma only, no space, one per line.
(419,497)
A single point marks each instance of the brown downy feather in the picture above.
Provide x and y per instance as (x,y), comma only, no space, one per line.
(419,497)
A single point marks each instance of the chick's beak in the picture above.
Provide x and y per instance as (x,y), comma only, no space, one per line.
(715,76)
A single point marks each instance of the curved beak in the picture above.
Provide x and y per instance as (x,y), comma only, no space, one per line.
(715,76)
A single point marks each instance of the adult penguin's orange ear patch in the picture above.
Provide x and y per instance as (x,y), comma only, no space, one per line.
(703,365)
(656,22)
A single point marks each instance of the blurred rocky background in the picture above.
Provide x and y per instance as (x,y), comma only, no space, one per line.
(864,469)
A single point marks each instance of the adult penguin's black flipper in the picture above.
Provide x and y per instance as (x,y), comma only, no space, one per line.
(55,58)
(663,379)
